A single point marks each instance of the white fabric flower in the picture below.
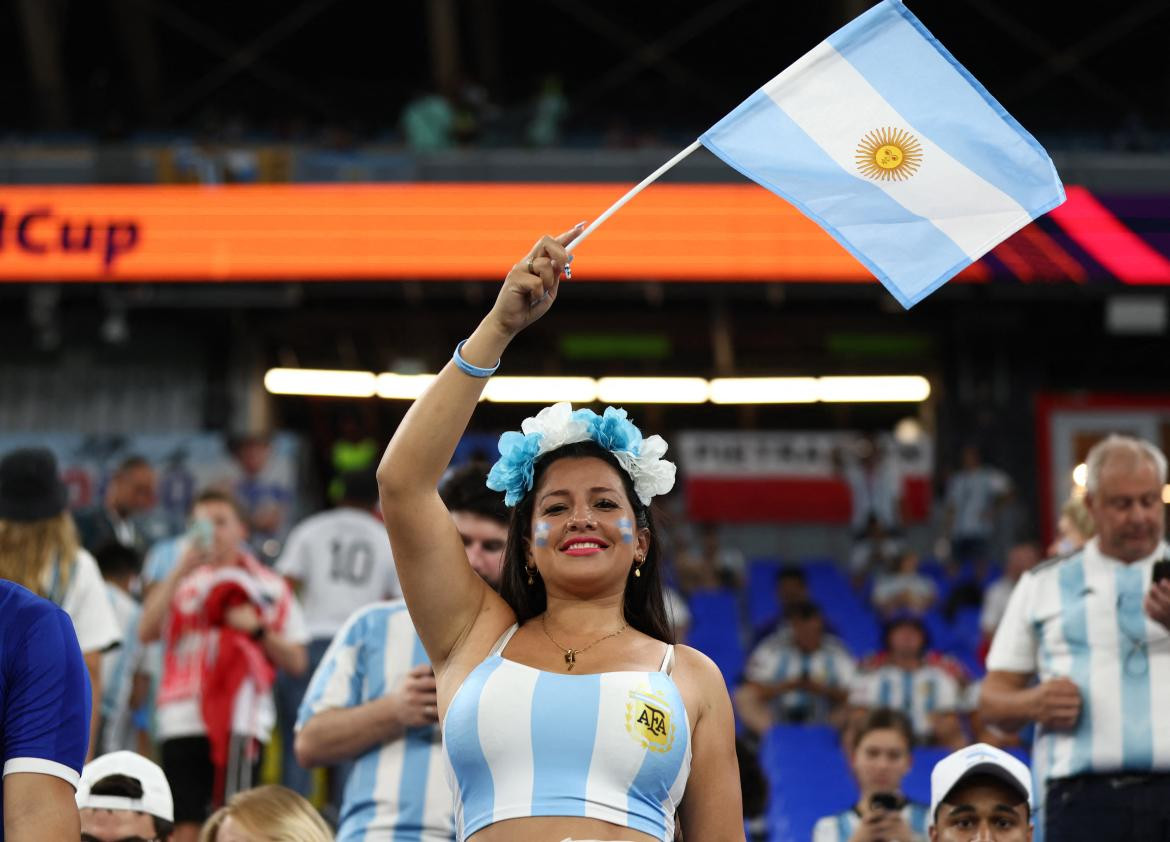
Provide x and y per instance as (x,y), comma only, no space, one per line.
(652,475)
(557,427)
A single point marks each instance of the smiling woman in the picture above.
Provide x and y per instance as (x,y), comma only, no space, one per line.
(566,709)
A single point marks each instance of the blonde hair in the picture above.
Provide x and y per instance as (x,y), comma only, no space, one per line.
(273,813)
(27,548)
(1078,515)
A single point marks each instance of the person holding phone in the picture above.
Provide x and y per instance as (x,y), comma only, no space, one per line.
(1083,650)
(220,614)
(880,760)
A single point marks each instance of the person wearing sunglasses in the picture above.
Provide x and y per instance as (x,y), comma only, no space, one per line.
(372,699)
(123,797)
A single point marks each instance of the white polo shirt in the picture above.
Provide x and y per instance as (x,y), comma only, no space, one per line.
(1081,617)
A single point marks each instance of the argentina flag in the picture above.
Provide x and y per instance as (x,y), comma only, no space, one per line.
(882,138)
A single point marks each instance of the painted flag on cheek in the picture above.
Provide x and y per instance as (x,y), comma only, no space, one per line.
(881,137)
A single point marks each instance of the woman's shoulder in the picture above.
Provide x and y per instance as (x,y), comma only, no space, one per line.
(694,668)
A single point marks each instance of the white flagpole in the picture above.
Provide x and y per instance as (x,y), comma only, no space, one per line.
(642,185)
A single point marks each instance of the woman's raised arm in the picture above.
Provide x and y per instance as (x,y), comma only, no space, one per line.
(443,593)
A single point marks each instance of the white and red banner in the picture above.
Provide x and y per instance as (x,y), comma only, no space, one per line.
(785,477)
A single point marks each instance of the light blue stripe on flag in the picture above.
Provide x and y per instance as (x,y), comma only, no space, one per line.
(957,174)
(1137,728)
(416,764)
(1075,625)
(558,773)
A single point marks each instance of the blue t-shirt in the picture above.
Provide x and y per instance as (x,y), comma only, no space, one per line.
(44,689)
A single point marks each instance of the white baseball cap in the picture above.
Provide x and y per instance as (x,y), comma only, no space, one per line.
(156,797)
(978,759)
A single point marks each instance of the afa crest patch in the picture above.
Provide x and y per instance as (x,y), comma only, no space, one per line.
(650,720)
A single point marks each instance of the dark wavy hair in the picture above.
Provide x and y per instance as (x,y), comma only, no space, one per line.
(463,490)
(643,606)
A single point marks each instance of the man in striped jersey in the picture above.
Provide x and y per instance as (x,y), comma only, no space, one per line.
(372,699)
(911,679)
(797,674)
(1094,629)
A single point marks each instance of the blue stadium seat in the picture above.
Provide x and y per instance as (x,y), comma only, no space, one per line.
(917,783)
(808,777)
(848,613)
(762,605)
(715,631)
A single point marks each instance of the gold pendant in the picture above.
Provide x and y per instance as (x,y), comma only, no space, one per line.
(571,658)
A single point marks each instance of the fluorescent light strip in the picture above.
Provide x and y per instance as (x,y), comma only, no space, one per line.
(405,387)
(909,389)
(611,390)
(323,382)
(740,390)
(619,390)
(540,389)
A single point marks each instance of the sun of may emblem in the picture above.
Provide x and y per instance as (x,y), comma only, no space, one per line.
(648,720)
(889,155)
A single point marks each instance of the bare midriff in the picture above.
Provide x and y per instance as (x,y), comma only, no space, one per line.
(556,828)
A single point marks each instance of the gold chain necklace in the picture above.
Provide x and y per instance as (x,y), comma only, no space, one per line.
(571,654)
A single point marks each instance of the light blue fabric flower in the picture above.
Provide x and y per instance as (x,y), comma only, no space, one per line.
(512,474)
(614,431)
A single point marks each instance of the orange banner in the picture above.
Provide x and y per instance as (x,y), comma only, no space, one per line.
(434,231)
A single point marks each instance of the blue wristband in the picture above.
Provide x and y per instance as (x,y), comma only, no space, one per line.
(467,368)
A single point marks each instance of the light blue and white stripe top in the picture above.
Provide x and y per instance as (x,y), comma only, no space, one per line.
(613,746)
(839,828)
(397,792)
(1082,618)
(778,658)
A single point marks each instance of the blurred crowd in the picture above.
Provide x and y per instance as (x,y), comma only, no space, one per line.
(239,662)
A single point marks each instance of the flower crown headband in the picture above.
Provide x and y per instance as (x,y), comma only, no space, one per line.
(558,425)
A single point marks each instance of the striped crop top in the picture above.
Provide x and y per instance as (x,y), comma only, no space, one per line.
(613,746)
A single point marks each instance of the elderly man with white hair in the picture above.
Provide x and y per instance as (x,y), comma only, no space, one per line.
(1093,629)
